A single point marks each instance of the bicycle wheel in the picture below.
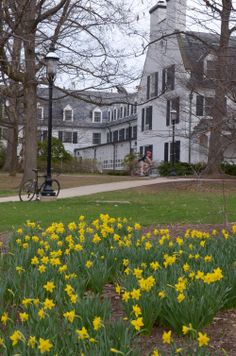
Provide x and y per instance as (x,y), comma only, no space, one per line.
(55,187)
(27,190)
(153,172)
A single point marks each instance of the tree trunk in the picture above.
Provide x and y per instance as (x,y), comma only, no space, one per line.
(30,95)
(11,163)
(216,150)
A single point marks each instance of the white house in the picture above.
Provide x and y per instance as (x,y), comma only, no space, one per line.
(176,91)
(173,117)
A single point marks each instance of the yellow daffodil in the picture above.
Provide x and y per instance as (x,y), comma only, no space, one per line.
(162,294)
(4,318)
(203,339)
(137,323)
(70,315)
(41,313)
(48,304)
(49,286)
(23,316)
(16,337)
(89,264)
(97,323)
(166,337)
(32,342)
(137,310)
(82,333)
(44,345)
(135,294)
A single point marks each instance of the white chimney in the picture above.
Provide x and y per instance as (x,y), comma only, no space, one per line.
(176,15)
(157,17)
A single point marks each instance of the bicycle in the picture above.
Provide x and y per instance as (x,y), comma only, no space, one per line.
(32,187)
(150,170)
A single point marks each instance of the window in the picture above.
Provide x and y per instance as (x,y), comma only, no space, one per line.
(168,151)
(97,116)
(168,78)
(154,84)
(125,111)
(209,103)
(204,105)
(211,69)
(68,113)
(3,133)
(121,134)
(134,136)
(176,151)
(40,112)
(172,105)
(114,114)
(115,136)
(68,136)
(128,132)
(96,138)
(147,118)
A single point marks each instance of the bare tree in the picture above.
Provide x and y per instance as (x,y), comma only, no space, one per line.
(80,30)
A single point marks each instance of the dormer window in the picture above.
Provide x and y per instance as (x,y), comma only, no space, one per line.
(68,113)
(168,78)
(40,112)
(97,115)
(210,66)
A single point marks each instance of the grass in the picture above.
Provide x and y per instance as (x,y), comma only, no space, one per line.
(173,203)
(10,185)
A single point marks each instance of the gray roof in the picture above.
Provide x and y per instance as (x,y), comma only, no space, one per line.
(195,46)
(82,103)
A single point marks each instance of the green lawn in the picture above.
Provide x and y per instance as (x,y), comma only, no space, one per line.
(146,206)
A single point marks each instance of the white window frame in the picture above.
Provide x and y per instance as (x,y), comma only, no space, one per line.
(39,106)
(68,108)
(97,111)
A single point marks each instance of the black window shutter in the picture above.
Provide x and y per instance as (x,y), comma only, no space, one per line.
(60,135)
(150,117)
(143,115)
(175,106)
(199,105)
(177,151)
(166,151)
(156,84)
(75,137)
(172,71)
(163,80)
(168,113)
(148,86)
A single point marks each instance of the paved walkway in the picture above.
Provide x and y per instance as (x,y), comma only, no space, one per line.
(107,187)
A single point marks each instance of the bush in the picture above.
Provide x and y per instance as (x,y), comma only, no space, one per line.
(181,168)
(229,168)
(2,155)
(130,161)
(58,151)
(72,166)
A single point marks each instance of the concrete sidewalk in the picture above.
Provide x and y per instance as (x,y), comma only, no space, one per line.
(107,187)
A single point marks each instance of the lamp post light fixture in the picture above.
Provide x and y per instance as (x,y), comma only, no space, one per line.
(51,60)
(173,117)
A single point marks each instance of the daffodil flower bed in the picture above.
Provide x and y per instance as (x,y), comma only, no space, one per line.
(52,281)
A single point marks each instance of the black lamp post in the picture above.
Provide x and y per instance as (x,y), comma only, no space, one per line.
(51,63)
(173,116)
